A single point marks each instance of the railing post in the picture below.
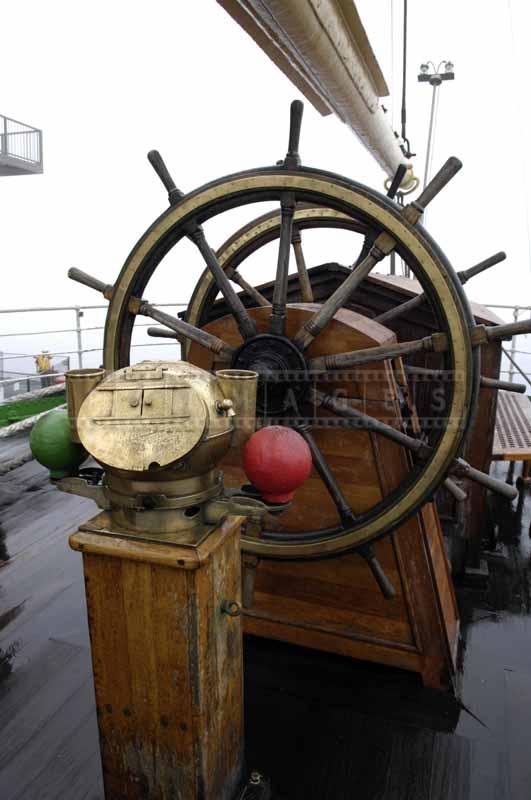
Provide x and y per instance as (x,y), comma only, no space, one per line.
(513,346)
(3,137)
(79,314)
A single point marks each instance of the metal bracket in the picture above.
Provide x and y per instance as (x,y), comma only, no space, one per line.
(84,488)
(236,501)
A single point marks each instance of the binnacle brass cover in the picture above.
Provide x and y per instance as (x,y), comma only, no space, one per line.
(147,416)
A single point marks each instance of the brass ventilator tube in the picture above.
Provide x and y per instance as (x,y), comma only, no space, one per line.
(240,386)
(79,384)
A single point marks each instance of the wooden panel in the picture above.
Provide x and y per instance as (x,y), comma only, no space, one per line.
(335,603)
(167,669)
(380,651)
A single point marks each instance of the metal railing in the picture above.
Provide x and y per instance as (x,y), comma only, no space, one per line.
(79,350)
(511,353)
(77,335)
(20,141)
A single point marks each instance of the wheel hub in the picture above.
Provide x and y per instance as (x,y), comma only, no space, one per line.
(282,370)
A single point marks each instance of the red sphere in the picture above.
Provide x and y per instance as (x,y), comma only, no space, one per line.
(277,460)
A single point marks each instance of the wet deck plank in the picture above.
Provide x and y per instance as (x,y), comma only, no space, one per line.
(518,705)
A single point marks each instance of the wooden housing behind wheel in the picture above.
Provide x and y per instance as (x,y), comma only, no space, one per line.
(333,603)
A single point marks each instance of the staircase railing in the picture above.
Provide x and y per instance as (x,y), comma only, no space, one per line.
(20,141)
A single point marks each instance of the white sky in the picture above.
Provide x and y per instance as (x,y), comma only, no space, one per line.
(108,81)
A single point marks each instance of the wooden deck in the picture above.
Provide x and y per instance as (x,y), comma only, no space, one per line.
(512,434)
(322,727)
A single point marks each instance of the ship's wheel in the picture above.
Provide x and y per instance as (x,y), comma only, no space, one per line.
(298,348)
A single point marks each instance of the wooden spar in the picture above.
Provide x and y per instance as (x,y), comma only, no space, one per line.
(336,73)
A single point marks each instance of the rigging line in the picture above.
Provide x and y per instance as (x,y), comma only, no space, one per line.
(407,149)
(393,71)
(518,104)
(404,66)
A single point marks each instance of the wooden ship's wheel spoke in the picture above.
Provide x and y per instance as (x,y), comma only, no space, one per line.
(316,324)
(415,302)
(196,234)
(302,269)
(250,290)
(278,311)
(138,306)
(345,512)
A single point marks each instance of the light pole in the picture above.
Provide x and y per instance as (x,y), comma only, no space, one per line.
(433,75)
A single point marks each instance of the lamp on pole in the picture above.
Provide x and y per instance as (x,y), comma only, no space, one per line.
(433,75)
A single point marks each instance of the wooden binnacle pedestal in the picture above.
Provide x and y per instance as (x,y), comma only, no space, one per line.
(166,644)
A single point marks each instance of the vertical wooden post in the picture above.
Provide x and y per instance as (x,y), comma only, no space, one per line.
(167,662)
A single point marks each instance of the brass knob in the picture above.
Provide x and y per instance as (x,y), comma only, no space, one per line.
(225,407)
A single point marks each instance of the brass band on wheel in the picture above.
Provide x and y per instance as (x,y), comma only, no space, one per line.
(354,202)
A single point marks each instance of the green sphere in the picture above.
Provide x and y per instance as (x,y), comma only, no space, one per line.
(52,446)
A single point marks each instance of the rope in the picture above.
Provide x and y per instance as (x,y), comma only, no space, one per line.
(25,424)
(8,466)
(48,390)
(25,376)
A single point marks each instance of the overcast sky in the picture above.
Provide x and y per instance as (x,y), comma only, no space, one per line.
(108,81)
